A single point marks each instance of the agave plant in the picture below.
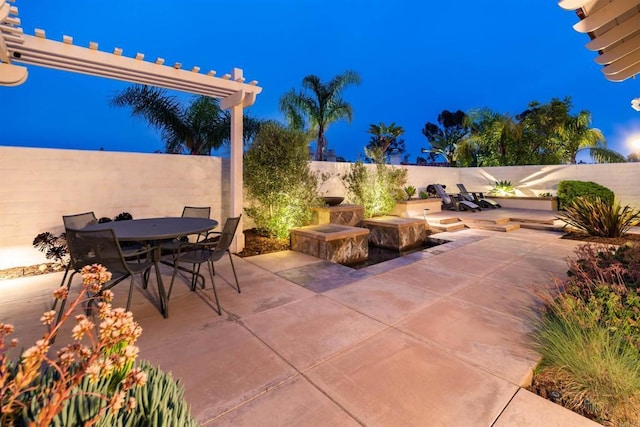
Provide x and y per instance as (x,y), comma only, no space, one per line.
(599,218)
(503,188)
(410,190)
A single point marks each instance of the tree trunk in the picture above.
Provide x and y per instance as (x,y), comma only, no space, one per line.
(320,144)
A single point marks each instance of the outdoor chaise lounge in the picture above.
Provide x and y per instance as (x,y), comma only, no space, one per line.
(477,198)
(455,202)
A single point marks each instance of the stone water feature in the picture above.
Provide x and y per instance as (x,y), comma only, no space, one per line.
(341,234)
(337,243)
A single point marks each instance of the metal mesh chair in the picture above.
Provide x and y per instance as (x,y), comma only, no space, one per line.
(102,247)
(207,251)
(74,222)
(196,212)
(171,246)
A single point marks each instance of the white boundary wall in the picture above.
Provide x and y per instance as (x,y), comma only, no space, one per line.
(38,186)
(622,178)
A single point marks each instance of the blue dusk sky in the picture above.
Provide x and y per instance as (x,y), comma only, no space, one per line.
(415,58)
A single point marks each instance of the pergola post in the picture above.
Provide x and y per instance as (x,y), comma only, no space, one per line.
(236,190)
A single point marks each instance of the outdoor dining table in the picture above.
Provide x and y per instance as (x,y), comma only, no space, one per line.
(154,230)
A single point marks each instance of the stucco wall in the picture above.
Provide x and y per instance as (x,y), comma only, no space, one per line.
(38,186)
(622,178)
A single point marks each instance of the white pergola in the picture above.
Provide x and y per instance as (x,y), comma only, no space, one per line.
(231,89)
(614,29)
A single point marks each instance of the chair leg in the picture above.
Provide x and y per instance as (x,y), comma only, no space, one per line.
(63,301)
(213,284)
(64,278)
(234,271)
(130,291)
(173,277)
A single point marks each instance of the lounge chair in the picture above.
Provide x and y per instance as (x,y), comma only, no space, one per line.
(478,198)
(455,202)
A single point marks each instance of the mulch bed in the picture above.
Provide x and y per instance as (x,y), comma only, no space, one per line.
(258,244)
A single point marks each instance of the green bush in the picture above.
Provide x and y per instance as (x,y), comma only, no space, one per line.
(159,402)
(589,335)
(377,190)
(568,191)
(598,217)
(423,195)
(596,370)
(280,186)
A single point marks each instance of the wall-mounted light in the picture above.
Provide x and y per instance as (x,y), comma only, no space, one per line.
(635,104)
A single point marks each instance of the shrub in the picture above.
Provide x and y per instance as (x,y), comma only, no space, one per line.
(279,183)
(159,402)
(54,247)
(423,195)
(598,217)
(377,190)
(596,370)
(123,216)
(589,336)
(569,190)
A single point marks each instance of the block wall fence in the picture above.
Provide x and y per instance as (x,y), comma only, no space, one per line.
(38,186)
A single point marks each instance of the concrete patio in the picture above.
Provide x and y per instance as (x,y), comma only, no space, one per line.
(435,338)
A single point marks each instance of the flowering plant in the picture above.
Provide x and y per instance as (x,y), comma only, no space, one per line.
(105,351)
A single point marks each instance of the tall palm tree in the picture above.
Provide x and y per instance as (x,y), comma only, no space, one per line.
(384,140)
(198,128)
(318,105)
(576,135)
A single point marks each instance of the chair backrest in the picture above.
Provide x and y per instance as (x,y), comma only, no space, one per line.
(462,188)
(228,231)
(78,221)
(196,212)
(443,194)
(96,247)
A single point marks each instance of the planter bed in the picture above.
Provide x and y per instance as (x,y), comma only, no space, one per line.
(517,202)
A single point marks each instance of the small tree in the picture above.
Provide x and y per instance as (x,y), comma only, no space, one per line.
(377,190)
(279,183)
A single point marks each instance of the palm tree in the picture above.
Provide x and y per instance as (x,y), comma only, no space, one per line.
(319,106)
(497,138)
(198,128)
(385,139)
(576,135)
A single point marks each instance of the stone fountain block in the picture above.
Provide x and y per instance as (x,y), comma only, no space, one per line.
(350,215)
(336,243)
(397,233)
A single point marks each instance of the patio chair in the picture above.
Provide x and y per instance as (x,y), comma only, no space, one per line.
(74,222)
(453,202)
(170,246)
(209,251)
(102,247)
(478,198)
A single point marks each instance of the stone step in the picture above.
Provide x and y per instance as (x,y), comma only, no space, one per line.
(438,227)
(445,220)
(510,226)
(539,226)
(549,221)
(490,221)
